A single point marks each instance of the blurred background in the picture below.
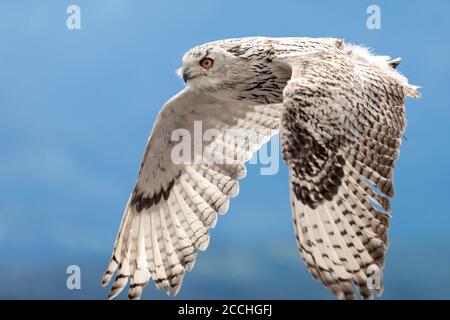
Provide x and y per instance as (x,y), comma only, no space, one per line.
(76,108)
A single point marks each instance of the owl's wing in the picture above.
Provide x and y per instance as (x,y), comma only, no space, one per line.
(341,126)
(192,163)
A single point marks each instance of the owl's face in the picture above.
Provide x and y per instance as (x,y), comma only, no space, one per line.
(212,68)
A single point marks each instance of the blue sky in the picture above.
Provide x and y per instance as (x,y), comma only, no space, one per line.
(76,108)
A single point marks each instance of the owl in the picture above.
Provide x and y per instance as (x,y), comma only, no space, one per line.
(339,111)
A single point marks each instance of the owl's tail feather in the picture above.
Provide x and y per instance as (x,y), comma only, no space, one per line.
(394,63)
(387,65)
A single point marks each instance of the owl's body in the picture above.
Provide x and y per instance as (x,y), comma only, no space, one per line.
(340,113)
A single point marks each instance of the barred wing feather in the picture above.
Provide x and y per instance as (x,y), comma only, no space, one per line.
(174,204)
(342,122)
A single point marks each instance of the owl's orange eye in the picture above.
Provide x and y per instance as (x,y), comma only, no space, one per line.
(206,63)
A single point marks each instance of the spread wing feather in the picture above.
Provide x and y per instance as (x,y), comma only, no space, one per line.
(173,205)
(342,122)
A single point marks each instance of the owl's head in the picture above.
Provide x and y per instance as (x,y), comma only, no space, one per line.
(236,69)
(212,67)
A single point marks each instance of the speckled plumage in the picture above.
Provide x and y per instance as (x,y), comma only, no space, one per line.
(340,113)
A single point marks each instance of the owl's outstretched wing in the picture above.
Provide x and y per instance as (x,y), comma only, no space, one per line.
(182,185)
(342,122)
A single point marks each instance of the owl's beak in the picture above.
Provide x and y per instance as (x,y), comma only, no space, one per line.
(187,75)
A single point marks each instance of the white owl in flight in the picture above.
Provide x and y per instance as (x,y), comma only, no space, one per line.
(340,114)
